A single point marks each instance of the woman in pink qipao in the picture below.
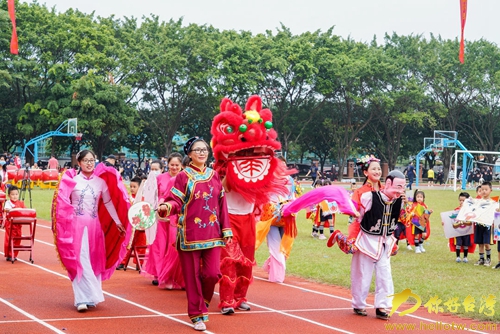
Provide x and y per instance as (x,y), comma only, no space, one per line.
(88,232)
(170,275)
(163,261)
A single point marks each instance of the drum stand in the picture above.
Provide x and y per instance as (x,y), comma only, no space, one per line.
(26,185)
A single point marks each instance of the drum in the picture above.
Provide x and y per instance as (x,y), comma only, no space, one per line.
(20,175)
(141,216)
(36,175)
(22,214)
(50,176)
(11,174)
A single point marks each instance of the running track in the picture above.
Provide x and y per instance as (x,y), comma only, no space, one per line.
(38,298)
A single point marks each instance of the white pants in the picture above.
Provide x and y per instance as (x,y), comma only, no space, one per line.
(362,267)
(87,290)
(275,265)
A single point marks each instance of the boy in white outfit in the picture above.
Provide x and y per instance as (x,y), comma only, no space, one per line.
(379,214)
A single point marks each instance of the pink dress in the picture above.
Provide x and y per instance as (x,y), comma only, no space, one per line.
(84,224)
(158,249)
(170,275)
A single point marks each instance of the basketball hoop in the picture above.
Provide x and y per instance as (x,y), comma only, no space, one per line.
(78,136)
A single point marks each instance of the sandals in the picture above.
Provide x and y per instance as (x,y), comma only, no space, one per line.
(361,312)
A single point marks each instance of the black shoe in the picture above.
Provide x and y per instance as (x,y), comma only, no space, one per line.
(155,282)
(9,259)
(120,267)
(382,314)
(360,312)
(497,266)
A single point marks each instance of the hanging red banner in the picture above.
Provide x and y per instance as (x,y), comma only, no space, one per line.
(14,48)
(463,17)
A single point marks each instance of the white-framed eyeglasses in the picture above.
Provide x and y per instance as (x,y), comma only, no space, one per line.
(200,150)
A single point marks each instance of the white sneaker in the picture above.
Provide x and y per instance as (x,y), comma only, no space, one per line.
(322,237)
(82,307)
(227,310)
(244,307)
(422,249)
(200,326)
(314,234)
(465,260)
(458,260)
(417,250)
(408,247)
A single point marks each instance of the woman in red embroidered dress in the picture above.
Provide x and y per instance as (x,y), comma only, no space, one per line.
(203,228)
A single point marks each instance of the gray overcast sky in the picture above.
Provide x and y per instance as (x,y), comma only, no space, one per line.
(360,19)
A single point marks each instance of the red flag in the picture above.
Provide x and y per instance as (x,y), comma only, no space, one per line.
(14,48)
(463,17)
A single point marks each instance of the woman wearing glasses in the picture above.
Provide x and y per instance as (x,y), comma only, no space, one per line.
(87,228)
(203,227)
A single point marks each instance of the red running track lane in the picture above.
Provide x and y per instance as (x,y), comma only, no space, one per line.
(38,298)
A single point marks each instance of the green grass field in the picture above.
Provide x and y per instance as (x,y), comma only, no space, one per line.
(434,273)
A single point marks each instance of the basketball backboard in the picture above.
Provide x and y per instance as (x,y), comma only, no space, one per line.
(448,138)
(433,143)
(73,126)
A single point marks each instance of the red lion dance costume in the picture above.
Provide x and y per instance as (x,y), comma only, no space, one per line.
(243,145)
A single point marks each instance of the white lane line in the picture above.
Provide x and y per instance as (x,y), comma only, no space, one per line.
(297,317)
(119,298)
(45,242)
(287,285)
(87,318)
(32,317)
(371,306)
(157,316)
(308,290)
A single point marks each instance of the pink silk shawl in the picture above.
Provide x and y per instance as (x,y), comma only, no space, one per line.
(63,216)
(315,196)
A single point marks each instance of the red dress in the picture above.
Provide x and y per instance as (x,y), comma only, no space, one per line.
(16,230)
(139,240)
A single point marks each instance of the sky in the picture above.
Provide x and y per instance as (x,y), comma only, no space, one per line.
(358,19)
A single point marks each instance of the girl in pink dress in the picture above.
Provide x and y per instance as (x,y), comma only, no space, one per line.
(89,238)
(170,275)
(158,249)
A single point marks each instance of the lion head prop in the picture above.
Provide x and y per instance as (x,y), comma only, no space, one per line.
(244,145)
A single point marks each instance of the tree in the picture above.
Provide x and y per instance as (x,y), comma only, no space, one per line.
(480,120)
(448,84)
(289,68)
(354,71)
(101,110)
(319,139)
(176,67)
(398,99)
